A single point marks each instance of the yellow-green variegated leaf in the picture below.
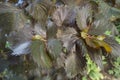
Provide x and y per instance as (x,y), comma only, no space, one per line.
(103,44)
(114,45)
(96,43)
(106,46)
(92,43)
(40,55)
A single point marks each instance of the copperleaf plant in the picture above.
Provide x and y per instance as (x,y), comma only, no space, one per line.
(65,33)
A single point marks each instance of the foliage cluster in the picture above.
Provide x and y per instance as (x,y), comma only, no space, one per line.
(66,39)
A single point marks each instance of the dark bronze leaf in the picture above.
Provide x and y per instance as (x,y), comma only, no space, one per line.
(72,65)
(114,45)
(82,15)
(39,11)
(96,56)
(64,15)
(99,27)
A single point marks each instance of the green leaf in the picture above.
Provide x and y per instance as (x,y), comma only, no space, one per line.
(51,30)
(117,39)
(54,47)
(107,33)
(7,45)
(84,78)
(40,55)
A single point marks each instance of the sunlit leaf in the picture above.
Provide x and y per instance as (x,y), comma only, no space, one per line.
(38,37)
(96,43)
(84,35)
(100,37)
(107,33)
(117,39)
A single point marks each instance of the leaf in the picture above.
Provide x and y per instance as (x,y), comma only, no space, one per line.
(38,37)
(101,25)
(64,15)
(110,11)
(92,43)
(95,42)
(40,11)
(55,47)
(72,66)
(95,56)
(114,45)
(106,46)
(40,55)
(82,15)
(107,33)
(60,15)
(117,39)
(84,78)
(102,21)
(68,42)
(81,48)
(51,30)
